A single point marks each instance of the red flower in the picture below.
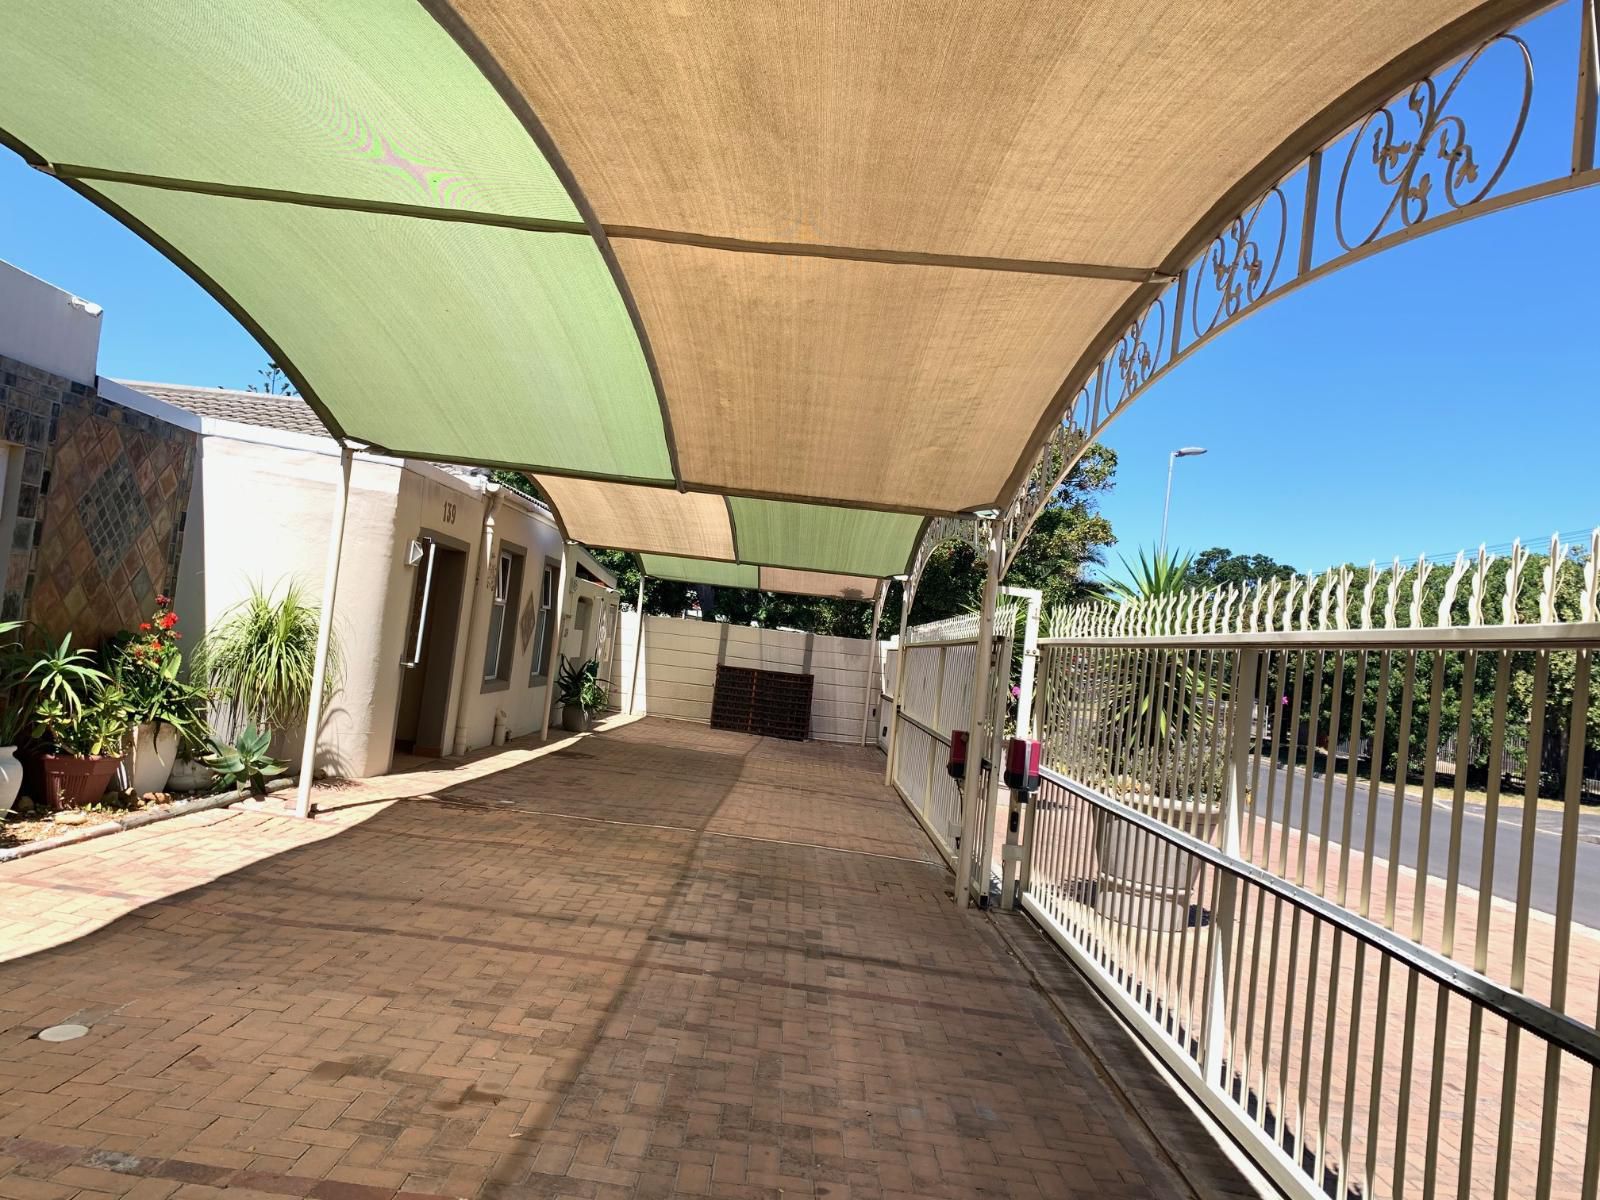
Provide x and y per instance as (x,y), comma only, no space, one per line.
(144,626)
(168,620)
(138,651)
(163,601)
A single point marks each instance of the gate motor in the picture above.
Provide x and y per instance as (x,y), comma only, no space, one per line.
(1021,778)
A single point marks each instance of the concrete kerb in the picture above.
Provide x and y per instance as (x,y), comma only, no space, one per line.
(137,820)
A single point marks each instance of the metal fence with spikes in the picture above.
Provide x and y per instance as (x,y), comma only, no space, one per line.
(1323,840)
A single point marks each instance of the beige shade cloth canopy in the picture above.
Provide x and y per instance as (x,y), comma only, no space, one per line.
(789,375)
(759,284)
(818,583)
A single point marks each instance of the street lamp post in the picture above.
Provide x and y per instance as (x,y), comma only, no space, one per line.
(1166,511)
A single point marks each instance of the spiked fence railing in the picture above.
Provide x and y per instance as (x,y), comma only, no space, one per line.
(1324,839)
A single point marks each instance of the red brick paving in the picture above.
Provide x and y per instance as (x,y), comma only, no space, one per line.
(661,961)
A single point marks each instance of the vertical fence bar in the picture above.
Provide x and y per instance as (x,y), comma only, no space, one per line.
(1577,740)
(899,684)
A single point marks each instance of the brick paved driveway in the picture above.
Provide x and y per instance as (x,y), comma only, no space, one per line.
(660,961)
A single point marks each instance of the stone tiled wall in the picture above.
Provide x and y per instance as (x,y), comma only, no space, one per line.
(101,512)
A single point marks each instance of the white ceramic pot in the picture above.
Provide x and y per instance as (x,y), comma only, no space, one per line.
(10,778)
(155,750)
(190,776)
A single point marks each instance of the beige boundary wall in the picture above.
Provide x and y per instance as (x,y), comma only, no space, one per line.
(679,671)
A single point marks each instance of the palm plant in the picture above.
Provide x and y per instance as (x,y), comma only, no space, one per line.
(262,658)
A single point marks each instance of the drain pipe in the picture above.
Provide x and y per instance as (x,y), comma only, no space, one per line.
(475,618)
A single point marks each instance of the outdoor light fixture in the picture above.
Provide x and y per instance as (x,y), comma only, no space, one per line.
(1166,511)
(984,514)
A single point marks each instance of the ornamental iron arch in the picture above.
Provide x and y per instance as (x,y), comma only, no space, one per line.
(1414,153)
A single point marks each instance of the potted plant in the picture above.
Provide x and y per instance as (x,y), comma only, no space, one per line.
(13,715)
(581,695)
(78,725)
(165,711)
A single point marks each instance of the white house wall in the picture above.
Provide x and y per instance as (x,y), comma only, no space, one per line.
(677,675)
(263,517)
(473,715)
(46,327)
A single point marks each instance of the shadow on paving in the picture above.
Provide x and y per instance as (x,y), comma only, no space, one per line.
(664,961)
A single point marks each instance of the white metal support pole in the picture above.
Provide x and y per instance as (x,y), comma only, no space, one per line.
(906,596)
(638,650)
(1240,705)
(319,673)
(872,658)
(972,803)
(1011,854)
(561,633)
(1034,599)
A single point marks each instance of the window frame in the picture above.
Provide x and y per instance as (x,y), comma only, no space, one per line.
(505,597)
(544,629)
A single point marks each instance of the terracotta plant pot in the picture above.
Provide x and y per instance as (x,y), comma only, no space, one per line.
(70,781)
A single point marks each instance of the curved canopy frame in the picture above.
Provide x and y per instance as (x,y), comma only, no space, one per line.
(772,287)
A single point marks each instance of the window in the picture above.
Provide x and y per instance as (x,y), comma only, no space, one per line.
(543,628)
(502,638)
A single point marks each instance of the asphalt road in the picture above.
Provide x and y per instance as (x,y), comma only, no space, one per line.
(1474,832)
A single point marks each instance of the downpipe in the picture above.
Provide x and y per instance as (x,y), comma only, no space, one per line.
(475,616)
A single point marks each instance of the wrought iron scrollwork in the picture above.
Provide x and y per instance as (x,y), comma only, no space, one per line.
(1240,265)
(1135,358)
(1403,166)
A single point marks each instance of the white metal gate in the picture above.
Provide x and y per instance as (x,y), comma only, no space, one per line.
(935,685)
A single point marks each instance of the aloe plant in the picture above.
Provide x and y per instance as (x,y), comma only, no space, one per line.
(578,685)
(246,763)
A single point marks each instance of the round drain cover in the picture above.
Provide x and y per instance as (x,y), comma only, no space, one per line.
(62,1033)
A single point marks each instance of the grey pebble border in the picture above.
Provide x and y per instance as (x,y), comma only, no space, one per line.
(136,820)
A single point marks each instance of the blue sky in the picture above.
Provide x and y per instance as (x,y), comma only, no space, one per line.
(1432,397)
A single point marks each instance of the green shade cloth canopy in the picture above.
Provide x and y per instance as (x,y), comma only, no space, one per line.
(767,285)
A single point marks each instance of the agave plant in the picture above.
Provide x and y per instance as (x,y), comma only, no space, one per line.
(262,658)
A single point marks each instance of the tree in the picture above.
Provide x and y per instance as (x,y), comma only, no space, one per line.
(273,382)
(1218,567)
(517,481)
(1069,537)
